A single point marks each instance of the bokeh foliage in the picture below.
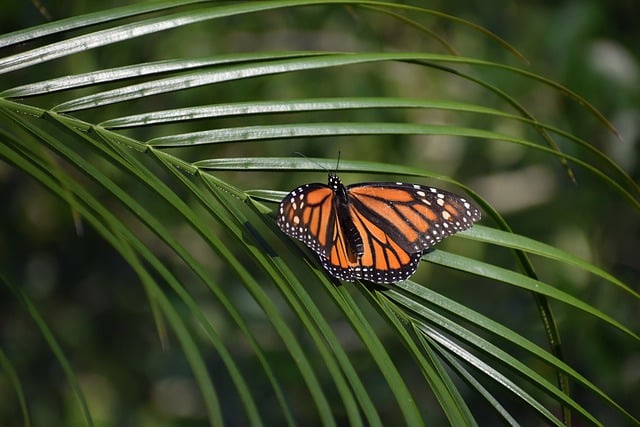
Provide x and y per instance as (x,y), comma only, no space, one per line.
(114,331)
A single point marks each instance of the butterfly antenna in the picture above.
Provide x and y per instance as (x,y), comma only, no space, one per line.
(311,160)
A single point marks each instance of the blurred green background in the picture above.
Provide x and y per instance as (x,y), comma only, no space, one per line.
(96,306)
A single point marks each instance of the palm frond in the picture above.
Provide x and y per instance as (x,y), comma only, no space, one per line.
(172,158)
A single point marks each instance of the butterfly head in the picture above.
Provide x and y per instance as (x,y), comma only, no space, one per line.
(335,182)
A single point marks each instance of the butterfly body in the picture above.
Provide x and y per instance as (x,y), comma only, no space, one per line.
(372,231)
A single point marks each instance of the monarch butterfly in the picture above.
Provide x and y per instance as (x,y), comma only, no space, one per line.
(374,231)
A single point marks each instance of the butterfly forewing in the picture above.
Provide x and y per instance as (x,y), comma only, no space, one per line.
(396,223)
(307,214)
(415,216)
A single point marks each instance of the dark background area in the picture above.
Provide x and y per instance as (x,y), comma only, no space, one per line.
(96,306)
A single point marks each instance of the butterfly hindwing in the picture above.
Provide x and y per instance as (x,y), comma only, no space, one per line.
(383,260)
